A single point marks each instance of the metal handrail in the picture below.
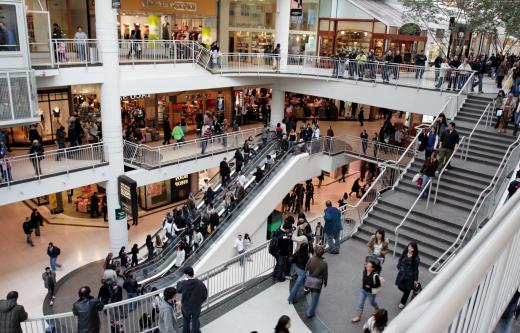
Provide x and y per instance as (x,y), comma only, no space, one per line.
(445,166)
(465,87)
(466,150)
(396,232)
(467,226)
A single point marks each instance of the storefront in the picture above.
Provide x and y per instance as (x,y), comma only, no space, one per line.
(194,20)
(249,102)
(170,191)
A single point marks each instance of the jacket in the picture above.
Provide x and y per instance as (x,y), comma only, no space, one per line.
(318,268)
(372,242)
(178,133)
(11,315)
(194,293)
(49,279)
(332,219)
(408,271)
(370,281)
(86,309)
(429,167)
(167,322)
(131,285)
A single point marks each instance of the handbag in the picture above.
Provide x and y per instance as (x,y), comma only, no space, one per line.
(416,178)
(499,112)
(313,282)
(381,282)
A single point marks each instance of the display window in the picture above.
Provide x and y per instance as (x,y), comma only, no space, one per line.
(9,39)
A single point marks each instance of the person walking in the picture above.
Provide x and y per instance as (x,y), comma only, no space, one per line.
(428,171)
(167,128)
(420,62)
(332,227)
(194,293)
(11,314)
(167,311)
(27,230)
(449,142)
(283,325)
(361,117)
(36,222)
(239,247)
(431,142)
(506,107)
(377,247)
(87,309)
(94,205)
(317,274)
(53,252)
(301,257)
(36,153)
(178,133)
(376,323)
(408,272)
(364,141)
(131,287)
(225,172)
(49,282)
(281,247)
(370,286)
(60,141)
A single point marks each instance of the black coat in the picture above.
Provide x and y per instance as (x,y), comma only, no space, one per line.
(11,315)
(86,309)
(194,293)
(408,271)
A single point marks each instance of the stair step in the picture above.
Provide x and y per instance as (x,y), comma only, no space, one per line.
(459,167)
(449,200)
(453,184)
(464,175)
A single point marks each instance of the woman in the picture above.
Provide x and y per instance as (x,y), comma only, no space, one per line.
(134,251)
(209,196)
(428,171)
(441,125)
(356,187)
(504,121)
(158,243)
(318,234)
(180,256)
(499,103)
(370,283)
(247,246)
(378,246)
(431,142)
(300,259)
(501,73)
(408,275)
(149,246)
(344,200)
(317,274)
(283,325)
(123,257)
(292,138)
(108,260)
(376,323)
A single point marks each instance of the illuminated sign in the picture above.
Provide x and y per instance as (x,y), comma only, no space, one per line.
(128,196)
(175,5)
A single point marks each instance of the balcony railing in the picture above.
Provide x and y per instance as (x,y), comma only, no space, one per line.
(18,169)
(65,53)
(17,97)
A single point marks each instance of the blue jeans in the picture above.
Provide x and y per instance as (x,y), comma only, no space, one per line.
(386,73)
(297,285)
(131,295)
(363,295)
(333,241)
(419,72)
(425,180)
(315,297)
(54,264)
(440,81)
(241,259)
(192,317)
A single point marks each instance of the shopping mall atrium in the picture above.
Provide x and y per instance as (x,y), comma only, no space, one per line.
(259,166)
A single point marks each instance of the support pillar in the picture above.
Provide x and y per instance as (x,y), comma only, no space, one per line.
(408,119)
(277,106)
(106,23)
(283,17)
(223,33)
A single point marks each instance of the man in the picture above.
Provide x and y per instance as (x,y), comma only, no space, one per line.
(283,249)
(225,172)
(239,246)
(265,135)
(480,67)
(132,287)
(389,58)
(206,134)
(60,141)
(80,38)
(364,141)
(178,133)
(332,228)
(448,143)
(49,282)
(454,79)
(194,293)
(36,152)
(53,252)
(437,64)
(516,119)
(105,207)
(167,308)
(27,230)
(11,314)
(398,60)
(513,186)
(94,205)
(86,309)
(36,222)
(420,62)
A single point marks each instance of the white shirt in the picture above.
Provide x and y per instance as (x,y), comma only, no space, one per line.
(239,245)
(181,255)
(465,67)
(168,227)
(316,133)
(242,180)
(80,35)
(284,128)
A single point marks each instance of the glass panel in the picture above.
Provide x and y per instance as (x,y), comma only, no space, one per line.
(252,14)
(308,20)
(8,28)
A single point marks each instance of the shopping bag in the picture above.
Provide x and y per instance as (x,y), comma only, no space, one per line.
(416,178)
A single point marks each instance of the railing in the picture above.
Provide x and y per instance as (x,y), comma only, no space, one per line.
(148,157)
(157,51)
(18,96)
(65,53)
(439,178)
(61,161)
(472,291)
(484,205)
(486,114)
(462,95)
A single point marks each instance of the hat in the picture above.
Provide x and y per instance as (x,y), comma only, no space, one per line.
(189,271)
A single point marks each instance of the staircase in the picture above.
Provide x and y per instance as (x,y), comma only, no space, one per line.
(436,228)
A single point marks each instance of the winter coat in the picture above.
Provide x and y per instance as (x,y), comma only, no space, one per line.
(408,271)
(11,315)
(86,309)
(332,219)
(49,279)
(167,322)
(194,293)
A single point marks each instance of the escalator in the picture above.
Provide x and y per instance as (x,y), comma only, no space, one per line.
(150,268)
(228,219)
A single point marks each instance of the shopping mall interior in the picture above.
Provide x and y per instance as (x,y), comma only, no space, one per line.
(256,166)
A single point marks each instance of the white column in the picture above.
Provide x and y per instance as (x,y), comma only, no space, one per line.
(283,16)
(224,26)
(277,106)
(106,31)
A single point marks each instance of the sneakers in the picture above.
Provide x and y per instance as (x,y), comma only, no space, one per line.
(401,306)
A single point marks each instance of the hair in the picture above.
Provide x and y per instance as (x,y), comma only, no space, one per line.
(12,295)
(84,292)
(169,293)
(372,263)
(382,232)
(319,251)
(415,249)
(282,323)
(246,236)
(328,203)
(380,319)
(452,124)
(50,244)
(301,216)
(47,268)
(290,219)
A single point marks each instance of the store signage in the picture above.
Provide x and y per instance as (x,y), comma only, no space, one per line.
(181,187)
(198,7)
(296,7)
(120,214)
(141,96)
(176,5)
(128,196)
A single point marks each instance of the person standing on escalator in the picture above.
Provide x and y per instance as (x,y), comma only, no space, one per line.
(239,160)
(225,172)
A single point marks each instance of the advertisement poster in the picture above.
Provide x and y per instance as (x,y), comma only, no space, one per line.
(154,22)
(296,7)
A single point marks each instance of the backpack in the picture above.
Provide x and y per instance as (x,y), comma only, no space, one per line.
(273,246)
(27,227)
(57,250)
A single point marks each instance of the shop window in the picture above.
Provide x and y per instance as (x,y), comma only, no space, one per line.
(9,40)
(244,10)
